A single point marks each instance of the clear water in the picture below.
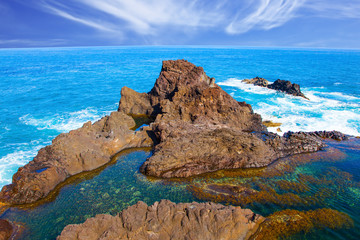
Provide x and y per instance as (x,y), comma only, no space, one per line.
(48,91)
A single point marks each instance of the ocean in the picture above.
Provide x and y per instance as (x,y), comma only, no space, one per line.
(48,91)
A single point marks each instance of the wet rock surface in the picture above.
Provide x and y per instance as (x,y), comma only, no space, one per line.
(167,220)
(279,85)
(84,149)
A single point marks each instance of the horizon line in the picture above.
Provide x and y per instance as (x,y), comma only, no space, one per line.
(186,46)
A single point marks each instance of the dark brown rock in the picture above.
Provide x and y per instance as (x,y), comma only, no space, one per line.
(167,220)
(287,87)
(279,85)
(190,149)
(183,91)
(200,128)
(84,149)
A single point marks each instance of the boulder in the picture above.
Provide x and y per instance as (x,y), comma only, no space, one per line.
(167,220)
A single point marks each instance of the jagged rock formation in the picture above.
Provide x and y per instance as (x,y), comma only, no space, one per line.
(201,128)
(279,85)
(167,220)
(84,149)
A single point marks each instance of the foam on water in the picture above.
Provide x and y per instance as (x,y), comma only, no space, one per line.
(12,161)
(64,122)
(24,152)
(325,110)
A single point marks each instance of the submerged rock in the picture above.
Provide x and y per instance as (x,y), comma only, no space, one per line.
(279,85)
(84,149)
(167,220)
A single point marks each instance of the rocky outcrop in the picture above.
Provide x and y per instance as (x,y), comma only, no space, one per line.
(184,92)
(200,128)
(167,220)
(84,149)
(191,149)
(279,85)
(287,87)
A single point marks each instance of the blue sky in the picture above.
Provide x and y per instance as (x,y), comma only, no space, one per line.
(280,23)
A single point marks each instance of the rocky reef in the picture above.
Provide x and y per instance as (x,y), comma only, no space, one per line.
(167,220)
(197,128)
(279,85)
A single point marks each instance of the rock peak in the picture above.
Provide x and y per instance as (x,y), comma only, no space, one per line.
(178,73)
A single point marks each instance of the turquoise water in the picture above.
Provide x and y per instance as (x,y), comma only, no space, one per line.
(48,91)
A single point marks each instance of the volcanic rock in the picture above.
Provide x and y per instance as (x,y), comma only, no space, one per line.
(287,87)
(200,128)
(84,149)
(279,85)
(184,92)
(190,149)
(167,220)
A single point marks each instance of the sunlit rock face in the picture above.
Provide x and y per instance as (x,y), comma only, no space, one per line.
(167,220)
(200,128)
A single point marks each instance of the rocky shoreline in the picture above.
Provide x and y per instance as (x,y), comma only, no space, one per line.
(196,128)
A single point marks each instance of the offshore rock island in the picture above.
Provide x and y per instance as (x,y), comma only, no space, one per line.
(279,85)
(196,128)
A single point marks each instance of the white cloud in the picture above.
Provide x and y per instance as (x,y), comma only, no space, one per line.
(335,8)
(154,17)
(57,11)
(267,15)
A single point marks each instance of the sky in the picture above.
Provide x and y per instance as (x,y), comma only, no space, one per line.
(257,23)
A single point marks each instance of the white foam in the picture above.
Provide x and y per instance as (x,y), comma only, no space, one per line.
(12,161)
(233,82)
(325,110)
(66,121)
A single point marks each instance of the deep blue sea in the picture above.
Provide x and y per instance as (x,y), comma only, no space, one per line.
(48,91)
